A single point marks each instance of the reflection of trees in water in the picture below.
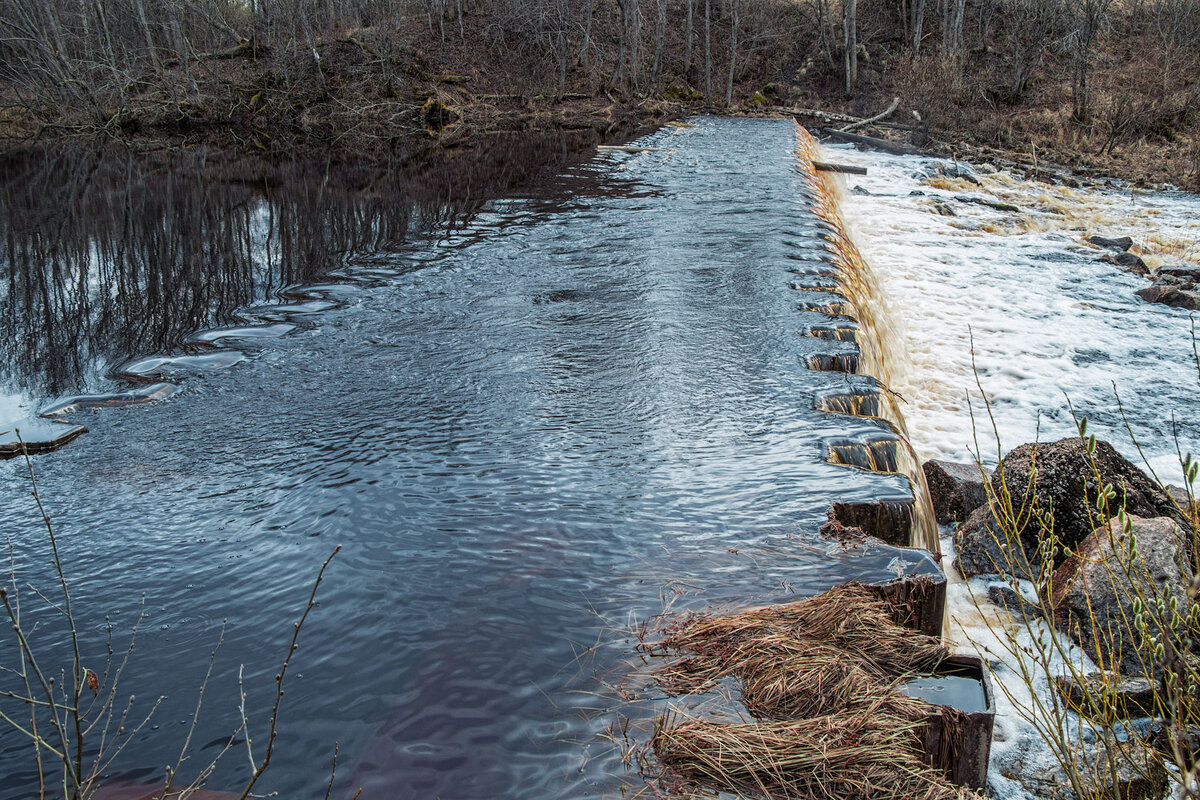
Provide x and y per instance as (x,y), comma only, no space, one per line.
(106,256)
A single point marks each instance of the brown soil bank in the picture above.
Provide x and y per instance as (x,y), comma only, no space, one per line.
(1091,84)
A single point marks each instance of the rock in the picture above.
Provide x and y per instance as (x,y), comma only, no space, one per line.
(1188,274)
(1010,598)
(1065,489)
(1188,505)
(1140,774)
(983,201)
(983,548)
(916,193)
(955,489)
(1171,296)
(860,191)
(1092,593)
(1129,261)
(1107,696)
(943,208)
(1122,243)
(950,169)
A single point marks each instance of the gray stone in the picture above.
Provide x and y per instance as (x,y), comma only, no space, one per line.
(1093,591)
(1122,243)
(984,548)
(1140,774)
(1107,696)
(955,489)
(1010,598)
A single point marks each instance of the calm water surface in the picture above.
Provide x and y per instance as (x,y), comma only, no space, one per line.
(524,429)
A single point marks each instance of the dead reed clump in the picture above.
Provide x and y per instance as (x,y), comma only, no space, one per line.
(871,752)
(850,618)
(821,677)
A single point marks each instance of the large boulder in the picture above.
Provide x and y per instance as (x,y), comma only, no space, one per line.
(1065,493)
(1093,592)
(955,489)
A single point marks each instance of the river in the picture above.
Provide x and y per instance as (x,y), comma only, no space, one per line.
(529,424)
(532,418)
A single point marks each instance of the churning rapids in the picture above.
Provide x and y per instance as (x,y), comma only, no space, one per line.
(527,422)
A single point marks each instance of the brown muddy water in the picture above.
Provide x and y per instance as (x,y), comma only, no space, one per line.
(528,420)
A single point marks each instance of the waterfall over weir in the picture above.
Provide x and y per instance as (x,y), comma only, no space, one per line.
(529,425)
(858,317)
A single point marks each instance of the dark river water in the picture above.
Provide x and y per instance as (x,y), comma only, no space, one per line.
(527,422)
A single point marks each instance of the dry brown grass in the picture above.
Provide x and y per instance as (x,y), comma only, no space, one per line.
(869,752)
(821,677)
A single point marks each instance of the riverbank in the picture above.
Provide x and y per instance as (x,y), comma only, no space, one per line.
(356,88)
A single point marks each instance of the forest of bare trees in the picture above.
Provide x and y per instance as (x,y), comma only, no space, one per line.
(1118,70)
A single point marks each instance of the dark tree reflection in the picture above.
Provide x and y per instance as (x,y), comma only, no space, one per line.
(107,255)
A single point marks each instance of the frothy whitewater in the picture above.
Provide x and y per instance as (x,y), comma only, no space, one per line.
(1023,302)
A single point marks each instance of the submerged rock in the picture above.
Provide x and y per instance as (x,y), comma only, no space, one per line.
(1093,591)
(1171,296)
(1065,491)
(955,489)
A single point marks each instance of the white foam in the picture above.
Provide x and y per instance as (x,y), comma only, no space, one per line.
(1052,325)
(1022,300)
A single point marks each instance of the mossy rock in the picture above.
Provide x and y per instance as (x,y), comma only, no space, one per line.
(454,80)
(757,100)
(684,93)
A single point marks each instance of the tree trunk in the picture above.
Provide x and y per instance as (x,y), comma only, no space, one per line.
(660,33)
(916,26)
(733,34)
(850,41)
(687,48)
(708,50)
(622,47)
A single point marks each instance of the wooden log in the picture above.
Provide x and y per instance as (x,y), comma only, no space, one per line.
(846,169)
(832,117)
(887,112)
(895,148)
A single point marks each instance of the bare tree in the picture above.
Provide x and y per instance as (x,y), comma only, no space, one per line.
(1088,18)
(660,33)
(850,44)
(708,50)
(916,25)
(733,45)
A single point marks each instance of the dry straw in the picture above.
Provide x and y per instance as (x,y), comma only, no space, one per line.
(821,678)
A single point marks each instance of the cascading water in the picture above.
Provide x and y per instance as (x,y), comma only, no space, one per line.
(998,281)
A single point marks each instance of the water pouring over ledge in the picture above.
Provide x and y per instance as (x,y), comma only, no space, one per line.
(566,411)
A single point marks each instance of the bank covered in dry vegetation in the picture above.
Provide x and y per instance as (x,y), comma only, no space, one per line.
(1107,84)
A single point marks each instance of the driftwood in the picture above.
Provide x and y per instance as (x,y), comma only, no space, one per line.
(895,148)
(847,169)
(887,112)
(834,118)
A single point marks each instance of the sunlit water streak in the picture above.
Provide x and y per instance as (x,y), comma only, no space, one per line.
(581,406)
